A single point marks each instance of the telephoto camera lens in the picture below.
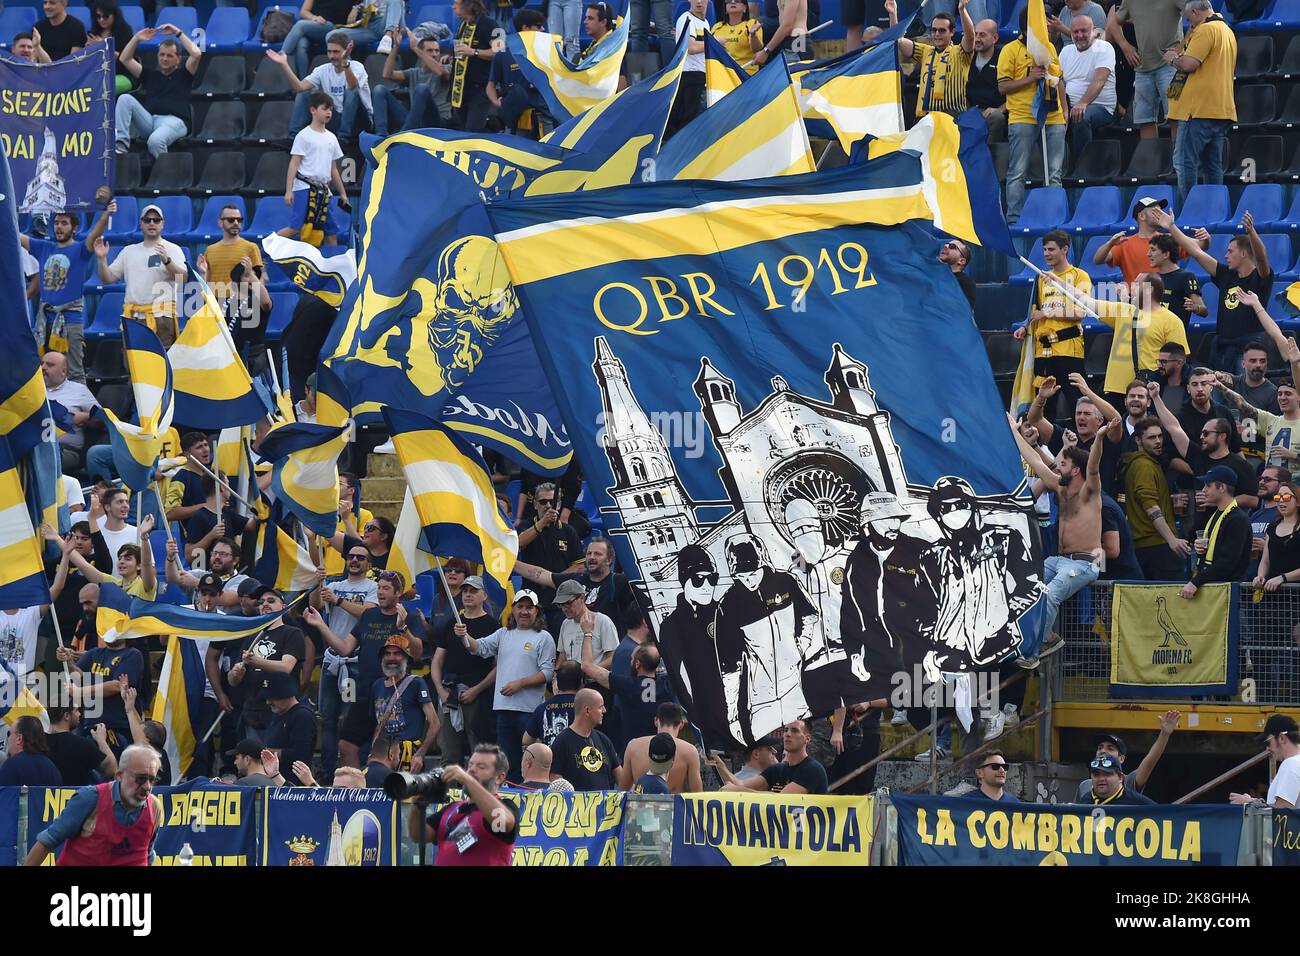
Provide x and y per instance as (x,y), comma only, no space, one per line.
(399,785)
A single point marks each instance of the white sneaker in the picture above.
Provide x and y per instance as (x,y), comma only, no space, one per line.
(924,755)
(1028,663)
(899,718)
(1010,715)
(995,726)
(385,45)
(385,449)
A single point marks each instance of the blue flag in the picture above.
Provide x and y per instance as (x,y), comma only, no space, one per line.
(775,446)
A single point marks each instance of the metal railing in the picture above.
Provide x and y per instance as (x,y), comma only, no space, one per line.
(1268,653)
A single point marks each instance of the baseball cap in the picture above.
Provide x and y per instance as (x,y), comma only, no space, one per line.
(1113,738)
(1105,764)
(399,641)
(211,582)
(1278,724)
(567,591)
(264,589)
(527,594)
(474,581)
(279,686)
(663,750)
(1146,202)
(158,209)
(248,747)
(1220,473)
(249,587)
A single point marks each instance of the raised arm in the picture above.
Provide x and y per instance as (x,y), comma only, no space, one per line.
(1032,458)
(1108,412)
(1257,246)
(299,86)
(148,573)
(1234,400)
(967,27)
(1168,421)
(1166,221)
(127,56)
(343,646)
(101,223)
(1046,390)
(1103,251)
(532,572)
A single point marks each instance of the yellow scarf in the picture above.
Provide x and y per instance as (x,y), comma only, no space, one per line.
(1214,532)
(464,34)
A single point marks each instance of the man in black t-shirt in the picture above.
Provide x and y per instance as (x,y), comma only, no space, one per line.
(60,34)
(608,592)
(956,257)
(797,773)
(472,66)
(1182,295)
(160,109)
(463,681)
(77,756)
(280,648)
(581,754)
(548,542)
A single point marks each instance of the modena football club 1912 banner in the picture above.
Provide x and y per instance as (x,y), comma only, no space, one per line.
(216,821)
(566,829)
(770,829)
(782,405)
(329,827)
(945,831)
(1165,646)
(56,123)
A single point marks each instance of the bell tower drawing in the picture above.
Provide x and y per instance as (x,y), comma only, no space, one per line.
(46,191)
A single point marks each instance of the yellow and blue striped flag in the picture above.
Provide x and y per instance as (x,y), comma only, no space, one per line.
(136,445)
(722,74)
(854,95)
(22,572)
(755,132)
(333,400)
(1047,94)
(305,473)
(123,617)
(178,702)
(281,561)
(17,700)
(325,277)
(409,553)
(453,494)
(612,143)
(570,88)
(211,385)
(22,389)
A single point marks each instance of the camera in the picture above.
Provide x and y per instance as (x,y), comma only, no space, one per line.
(399,785)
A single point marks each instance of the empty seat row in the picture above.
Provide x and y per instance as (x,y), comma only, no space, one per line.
(226,77)
(223,172)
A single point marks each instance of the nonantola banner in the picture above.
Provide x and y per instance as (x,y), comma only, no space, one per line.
(768,829)
(943,831)
(1286,837)
(216,821)
(326,827)
(56,126)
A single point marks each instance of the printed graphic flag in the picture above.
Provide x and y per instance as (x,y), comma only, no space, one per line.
(178,703)
(307,267)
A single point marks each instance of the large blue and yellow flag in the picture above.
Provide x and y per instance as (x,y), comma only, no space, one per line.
(614,143)
(212,387)
(1047,94)
(23,410)
(453,494)
(281,561)
(854,95)
(325,277)
(136,445)
(305,471)
(178,703)
(786,314)
(570,88)
(123,617)
(722,74)
(22,572)
(333,400)
(755,132)
(431,324)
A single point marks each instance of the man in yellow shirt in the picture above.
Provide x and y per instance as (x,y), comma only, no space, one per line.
(1057,338)
(944,64)
(1018,78)
(1201,95)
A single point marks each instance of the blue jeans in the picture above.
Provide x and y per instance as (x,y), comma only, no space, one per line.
(394,12)
(132,119)
(1024,139)
(564,18)
(1064,577)
(638,30)
(511,725)
(331,711)
(1199,149)
(298,44)
(1094,118)
(343,124)
(393,116)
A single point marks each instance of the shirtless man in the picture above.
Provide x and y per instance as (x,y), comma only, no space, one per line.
(1077,483)
(793,22)
(684,777)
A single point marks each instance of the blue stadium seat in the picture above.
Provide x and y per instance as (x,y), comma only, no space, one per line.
(1099,273)
(178,216)
(1026,276)
(93,285)
(134,17)
(208,228)
(511,492)
(82,14)
(1278,15)
(15,20)
(125,225)
(1278,247)
(187,18)
(1149,192)
(227,30)
(1011,22)
(270,216)
(1265,201)
(1218,250)
(107,322)
(282,306)
(254,41)
(1045,209)
(437,12)
(1099,212)
(1206,206)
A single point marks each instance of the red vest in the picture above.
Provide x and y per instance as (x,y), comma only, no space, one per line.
(487,851)
(111,843)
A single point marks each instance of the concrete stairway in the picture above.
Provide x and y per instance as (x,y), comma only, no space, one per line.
(383,488)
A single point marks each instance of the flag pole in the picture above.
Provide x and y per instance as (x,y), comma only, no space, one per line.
(820,26)
(1065,290)
(221,483)
(446,589)
(215,724)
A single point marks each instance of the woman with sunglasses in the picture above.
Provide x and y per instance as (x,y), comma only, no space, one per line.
(107,23)
(1280,562)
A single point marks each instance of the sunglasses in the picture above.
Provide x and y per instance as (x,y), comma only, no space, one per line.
(232,218)
(371,527)
(358,557)
(1104,763)
(545,502)
(151,219)
(103,15)
(994,766)
(143,778)
(1284,496)
(701,577)
(455,571)
(386,576)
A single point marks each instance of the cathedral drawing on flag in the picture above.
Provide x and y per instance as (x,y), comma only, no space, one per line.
(827,572)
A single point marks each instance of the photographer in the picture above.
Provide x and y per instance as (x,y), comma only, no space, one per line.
(478,831)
